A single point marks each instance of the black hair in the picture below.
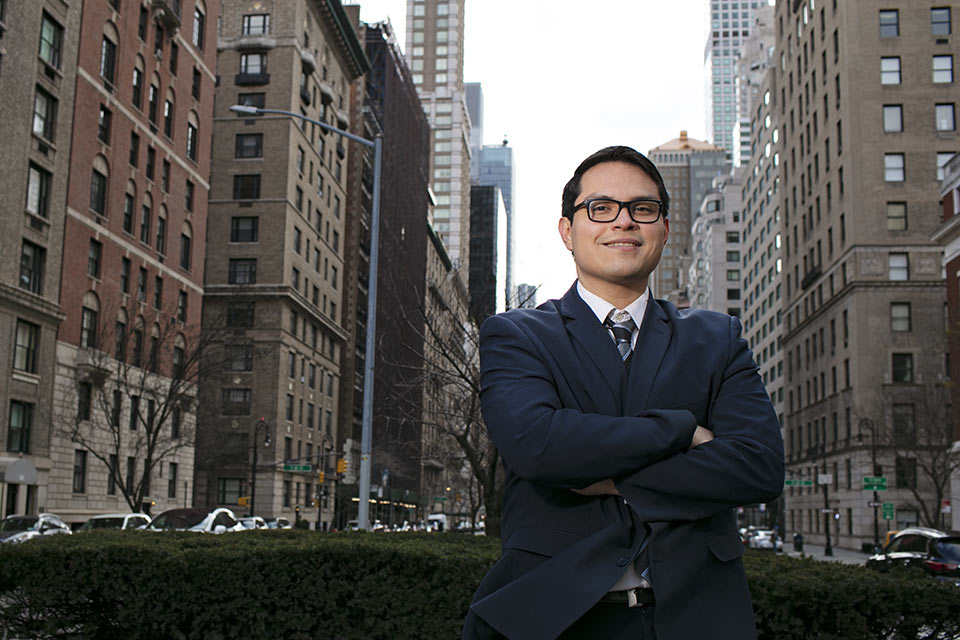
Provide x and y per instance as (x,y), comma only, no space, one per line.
(612,154)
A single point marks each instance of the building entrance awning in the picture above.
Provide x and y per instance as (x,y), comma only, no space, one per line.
(18,471)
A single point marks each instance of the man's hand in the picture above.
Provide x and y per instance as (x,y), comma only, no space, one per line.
(602,488)
(700,436)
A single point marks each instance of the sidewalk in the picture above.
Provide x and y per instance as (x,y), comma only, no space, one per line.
(815,551)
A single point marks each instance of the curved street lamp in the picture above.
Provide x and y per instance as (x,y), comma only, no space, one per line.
(261,424)
(363,514)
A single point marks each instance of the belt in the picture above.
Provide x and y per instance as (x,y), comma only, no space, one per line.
(638,597)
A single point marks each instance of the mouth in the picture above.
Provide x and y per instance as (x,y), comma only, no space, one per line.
(626,244)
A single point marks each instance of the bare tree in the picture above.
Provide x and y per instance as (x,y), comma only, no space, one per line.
(916,425)
(136,380)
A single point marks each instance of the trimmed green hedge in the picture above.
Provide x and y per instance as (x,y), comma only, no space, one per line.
(301,584)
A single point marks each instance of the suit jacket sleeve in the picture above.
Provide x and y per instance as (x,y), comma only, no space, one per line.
(742,465)
(545,441)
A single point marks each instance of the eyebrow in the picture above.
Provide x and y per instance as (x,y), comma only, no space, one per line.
(603,196)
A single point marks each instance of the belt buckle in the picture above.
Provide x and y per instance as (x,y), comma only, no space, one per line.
(632,599)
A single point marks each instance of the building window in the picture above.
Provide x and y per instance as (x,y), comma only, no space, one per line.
(93,259)
(199,23)
(142,285)
(32,261)
(893,167)
(239,357)
(51,41)
(900,316)
(172,480)
(137,88)
(165,176)
(903,367)
(899,266)
(84,400)
(246,187)
(896,216)
(240,315)
(145,223)
(108,60)
(157,292)
(44,115)
(98,192)
(151,162)
(176,421)
(942,69)
(249,145)
(890,70)
(112,475)
(940,21)
(79,471)
(18,432)
(235,402)
(25,347)
(162,232)
(38,191)
(906,470)
(253,63)
(125,275)
(129,205)
(244,229)
(252,100)
(892,118)
(182,306)
(943,157)
(88,328)
(186,243)
(134,149)
(256,24)
(229,490)
(192,141)
(179,363)
(889,23)
(195,84)
(174,57)
(104,121)
(945,117)
(168,118)
(242,271)
(188,196)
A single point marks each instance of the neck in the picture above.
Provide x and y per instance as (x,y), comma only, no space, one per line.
(619,295)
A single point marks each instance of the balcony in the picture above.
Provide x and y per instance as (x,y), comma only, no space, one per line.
(167,14)
(326,92)
(307,61)
(343,120)
(243,79)
(304,95)
(810,277)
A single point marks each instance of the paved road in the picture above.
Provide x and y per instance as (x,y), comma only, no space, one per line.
(815,551)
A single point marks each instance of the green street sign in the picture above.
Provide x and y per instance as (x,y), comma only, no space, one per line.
(440,499)
(874,480)
(874,487)
(297,467)
(888,511)
(798,483)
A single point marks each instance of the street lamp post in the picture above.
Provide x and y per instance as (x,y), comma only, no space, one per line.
(261,423)
(868,423)
(827,516)
(363,515)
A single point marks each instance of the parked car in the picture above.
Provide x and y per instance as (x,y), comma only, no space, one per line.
(764,539)
(116,521)
(256,522)
(219,520)
(934,551)
(23,528)
(279,523)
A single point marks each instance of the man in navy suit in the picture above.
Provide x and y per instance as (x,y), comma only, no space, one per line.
(629,432)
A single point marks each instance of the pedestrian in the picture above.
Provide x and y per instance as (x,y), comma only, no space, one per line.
(630,431)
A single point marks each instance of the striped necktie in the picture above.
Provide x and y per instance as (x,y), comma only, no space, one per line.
(621,325)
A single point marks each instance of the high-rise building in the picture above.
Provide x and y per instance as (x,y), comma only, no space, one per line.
(688,167)
(124,408)
(275,259)
(385,102)
(36,97)
(864,302)
(730,24)
(435,55)
(754,58)
(488,246)
(714,281)
(474,96)
(526,296)
(496,167)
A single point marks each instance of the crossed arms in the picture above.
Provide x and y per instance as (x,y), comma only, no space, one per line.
(666,465)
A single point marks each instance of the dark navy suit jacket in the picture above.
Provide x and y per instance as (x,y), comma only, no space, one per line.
(564,413)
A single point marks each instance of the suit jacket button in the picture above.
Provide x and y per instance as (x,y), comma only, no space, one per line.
(622,561)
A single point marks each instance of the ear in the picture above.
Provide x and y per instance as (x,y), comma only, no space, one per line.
(666,229)
(565,227)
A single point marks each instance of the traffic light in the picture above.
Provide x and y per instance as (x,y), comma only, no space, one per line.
(342,465)
(321,476)
(243,501)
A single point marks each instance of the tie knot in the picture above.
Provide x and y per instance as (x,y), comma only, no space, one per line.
(621,326)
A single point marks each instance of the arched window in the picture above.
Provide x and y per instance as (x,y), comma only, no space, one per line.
(193,134)
(129,206)
(138,71)
(186,245)
(168,110)
(138,342)
(120,335)
(98,185)
(199,24)
(154,348)
(89,318)
(146,218)
(153,97)
(108,54)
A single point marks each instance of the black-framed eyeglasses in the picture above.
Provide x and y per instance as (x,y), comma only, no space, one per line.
(641,210)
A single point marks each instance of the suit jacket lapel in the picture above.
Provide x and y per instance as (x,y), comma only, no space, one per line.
(582,324)
(652,343)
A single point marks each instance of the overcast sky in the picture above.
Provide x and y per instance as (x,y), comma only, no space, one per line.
(562,79)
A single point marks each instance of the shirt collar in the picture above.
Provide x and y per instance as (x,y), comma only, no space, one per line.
(602,308)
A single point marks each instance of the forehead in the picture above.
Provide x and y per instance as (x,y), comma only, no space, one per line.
(617,179)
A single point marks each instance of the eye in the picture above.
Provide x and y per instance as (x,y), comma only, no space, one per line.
(650,208)
(602,206)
